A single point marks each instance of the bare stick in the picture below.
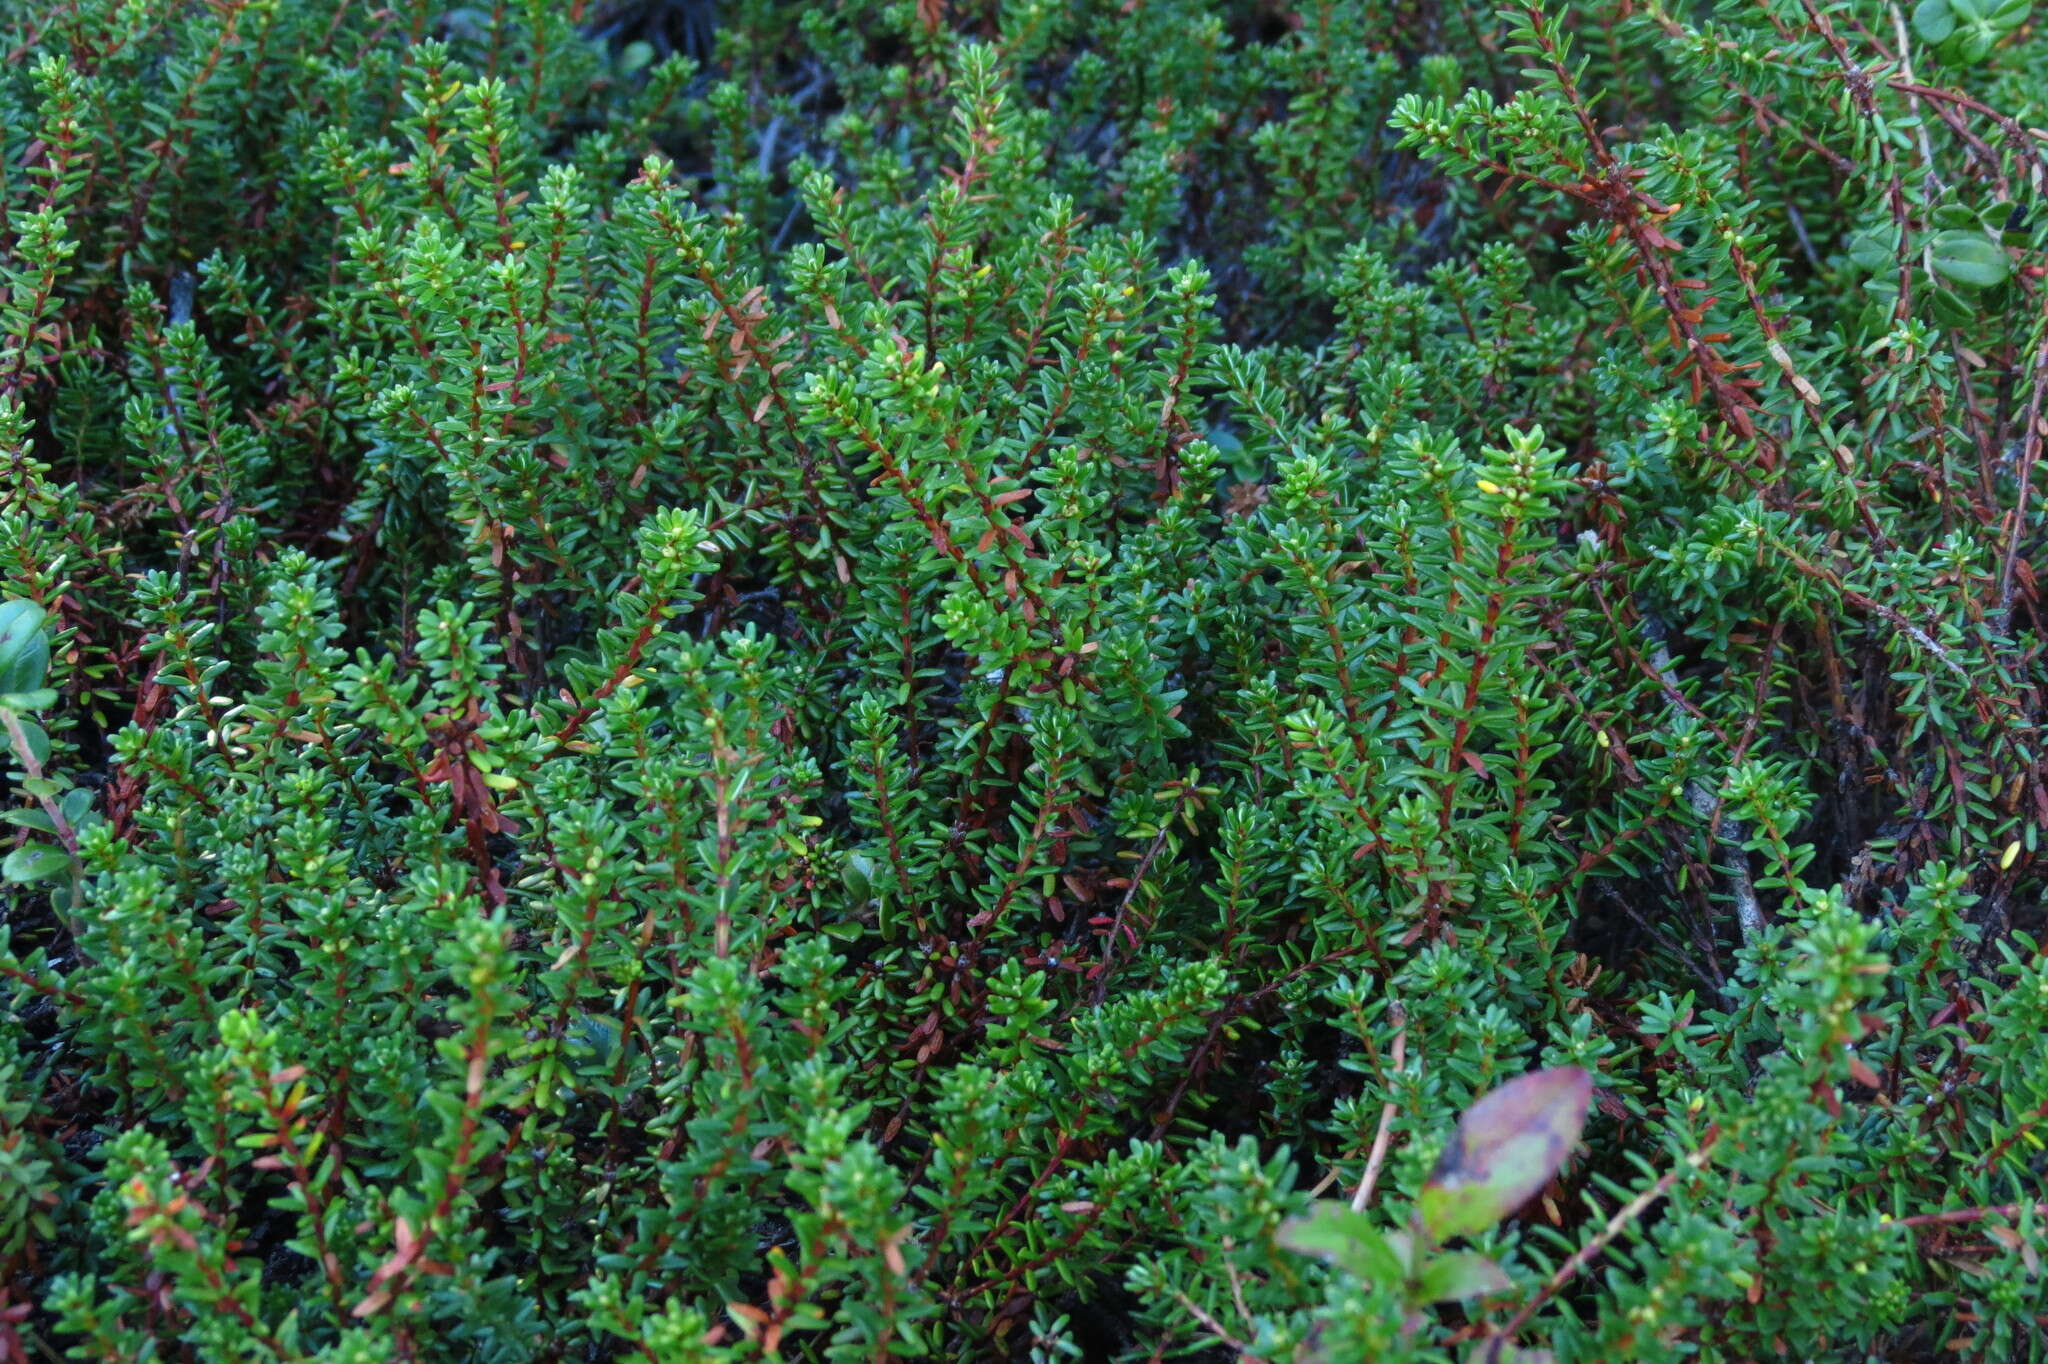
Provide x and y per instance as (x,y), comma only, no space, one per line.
(1378,1157)
(1616,1224)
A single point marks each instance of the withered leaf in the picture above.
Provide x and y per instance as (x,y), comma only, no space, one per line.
(1506,1148)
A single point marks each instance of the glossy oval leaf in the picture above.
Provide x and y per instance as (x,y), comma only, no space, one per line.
(38,741)
(1933,20)
(1949,308)
(1972,45)
(31,818)
(858,873)
(77,804)
(1970,259)
(33,862)
(1874,249)
(24,651)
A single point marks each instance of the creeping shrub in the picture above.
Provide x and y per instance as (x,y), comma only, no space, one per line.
(1160,679)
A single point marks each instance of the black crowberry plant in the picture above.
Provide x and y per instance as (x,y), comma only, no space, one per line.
(1267,680)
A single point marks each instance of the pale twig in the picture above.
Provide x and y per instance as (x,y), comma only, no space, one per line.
(1244,1313)
(1616,1224)
(17,737)
(1749,912)
(1216,1328)
(1379,1141)
(1963,1216)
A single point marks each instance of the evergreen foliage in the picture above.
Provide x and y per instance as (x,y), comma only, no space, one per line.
(941,678)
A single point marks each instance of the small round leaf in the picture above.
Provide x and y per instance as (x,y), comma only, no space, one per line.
(1933,20)
(24,651)
(1971,259)
(33,862)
